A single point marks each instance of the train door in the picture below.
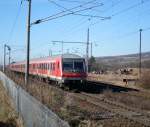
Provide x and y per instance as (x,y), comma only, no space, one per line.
(57,68)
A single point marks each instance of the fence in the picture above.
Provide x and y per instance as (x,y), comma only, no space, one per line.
(33,113)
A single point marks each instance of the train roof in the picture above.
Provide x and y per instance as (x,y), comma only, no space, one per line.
(68,55)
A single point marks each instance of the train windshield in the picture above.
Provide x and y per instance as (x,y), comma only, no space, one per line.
(70,65)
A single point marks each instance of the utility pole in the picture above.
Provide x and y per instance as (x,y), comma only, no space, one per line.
(4,57)
(91,49)
(87,49)
(140,54)
(9,54)
(9,49)
(28,43)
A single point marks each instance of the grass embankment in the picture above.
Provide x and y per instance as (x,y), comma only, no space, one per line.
(8,117)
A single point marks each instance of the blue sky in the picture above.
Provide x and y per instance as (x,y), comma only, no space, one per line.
(115,36)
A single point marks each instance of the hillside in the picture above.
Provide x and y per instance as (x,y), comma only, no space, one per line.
(131,60)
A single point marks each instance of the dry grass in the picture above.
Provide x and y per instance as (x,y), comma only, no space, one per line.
(50,96)
(116,79)
(145,79)
(8,117)
(58,101)
(131,101)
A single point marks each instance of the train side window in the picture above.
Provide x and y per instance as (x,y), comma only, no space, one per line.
(58,65)
(46,66)
(50,68)
(54,66)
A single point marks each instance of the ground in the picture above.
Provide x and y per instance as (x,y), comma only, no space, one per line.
(116,78)
(79,112)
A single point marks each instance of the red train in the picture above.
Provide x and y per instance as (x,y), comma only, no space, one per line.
(66,68)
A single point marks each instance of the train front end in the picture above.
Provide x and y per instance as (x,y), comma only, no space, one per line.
(73,70)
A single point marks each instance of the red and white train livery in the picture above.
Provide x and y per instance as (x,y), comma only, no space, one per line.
(61,68)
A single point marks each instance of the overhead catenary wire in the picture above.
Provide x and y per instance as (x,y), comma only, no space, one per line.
(15,21)
(123,11)
(75,1)
(70,13)
(71,9)
(86,15)
(129,8)
(133,33)
(109,8)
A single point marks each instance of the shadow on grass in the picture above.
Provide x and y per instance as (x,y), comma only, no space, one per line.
(2,124)
(98,87)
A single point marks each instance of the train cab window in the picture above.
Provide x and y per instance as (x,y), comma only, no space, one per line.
(79,66)
(68,66)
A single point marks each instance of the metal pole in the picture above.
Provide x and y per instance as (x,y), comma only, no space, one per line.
(91,49)
(62,48)
(9,54)
(140,54)
(28,43)
(87,49)
(4,57)
(50,52)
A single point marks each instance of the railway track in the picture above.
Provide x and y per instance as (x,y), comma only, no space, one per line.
(114,87)
(129,113)
(141,94)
